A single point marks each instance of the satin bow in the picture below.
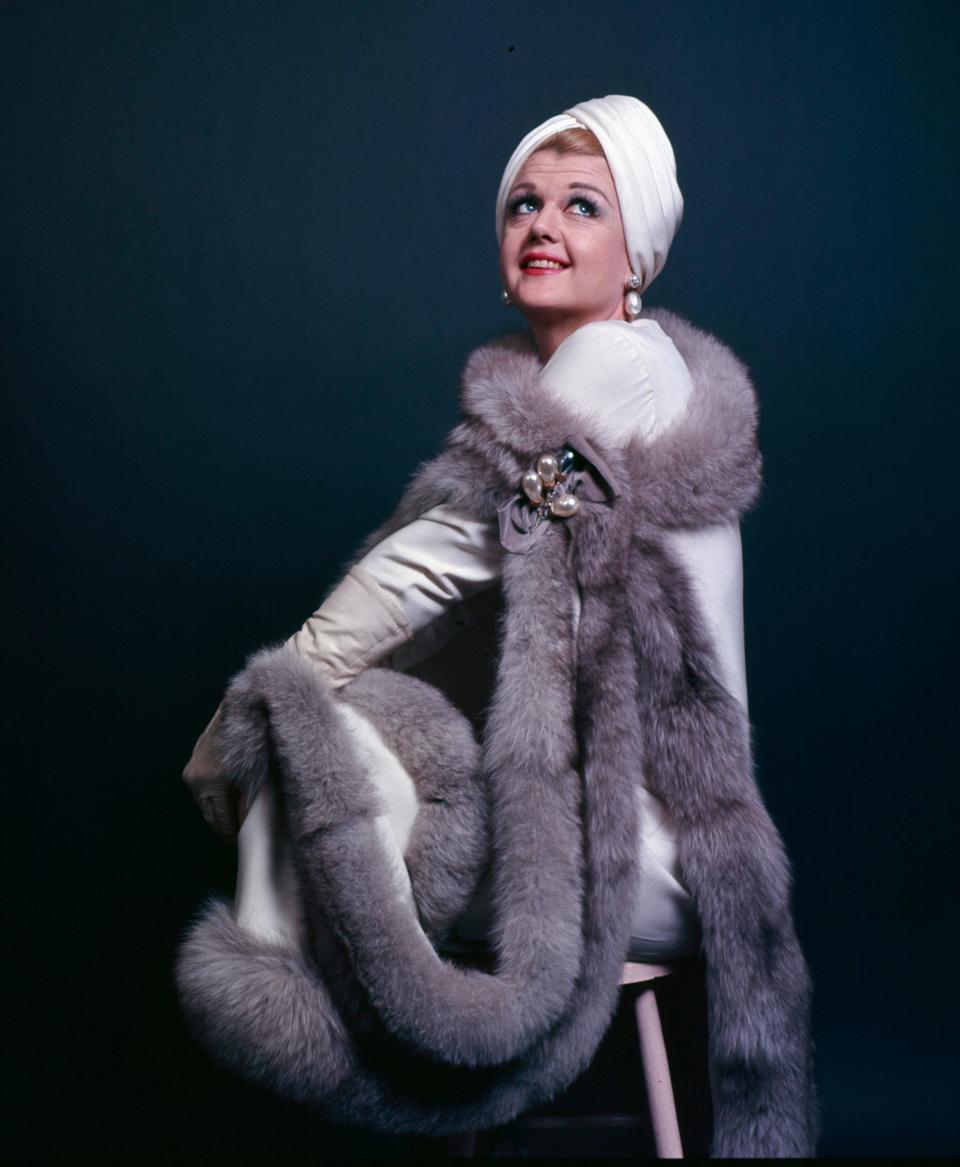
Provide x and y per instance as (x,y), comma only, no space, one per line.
(522,524)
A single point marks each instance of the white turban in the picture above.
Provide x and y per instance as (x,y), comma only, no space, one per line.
(644,171)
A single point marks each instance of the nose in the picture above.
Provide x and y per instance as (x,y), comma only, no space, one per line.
(543,225)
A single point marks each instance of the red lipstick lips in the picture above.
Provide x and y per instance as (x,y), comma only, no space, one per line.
(541,271)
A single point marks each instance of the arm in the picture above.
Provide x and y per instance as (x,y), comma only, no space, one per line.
(399,587)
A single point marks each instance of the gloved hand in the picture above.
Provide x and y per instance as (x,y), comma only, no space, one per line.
(222,805)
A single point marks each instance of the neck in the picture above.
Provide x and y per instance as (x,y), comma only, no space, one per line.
(550,332)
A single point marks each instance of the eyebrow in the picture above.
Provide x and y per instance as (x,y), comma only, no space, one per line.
(572,186)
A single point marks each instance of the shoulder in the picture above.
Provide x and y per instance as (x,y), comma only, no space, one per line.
(670,360)
(633,367)
(704,353)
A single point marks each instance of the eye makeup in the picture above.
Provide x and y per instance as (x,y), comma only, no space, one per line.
(514,205)
(587,200)
(518,201)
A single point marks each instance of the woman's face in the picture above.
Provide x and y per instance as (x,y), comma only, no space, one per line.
(563,255)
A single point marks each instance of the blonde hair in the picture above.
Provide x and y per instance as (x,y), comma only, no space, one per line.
(576,140)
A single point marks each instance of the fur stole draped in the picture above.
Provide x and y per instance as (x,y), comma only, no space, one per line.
(370,1024)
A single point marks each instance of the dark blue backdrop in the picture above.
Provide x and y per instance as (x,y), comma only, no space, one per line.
(246,247)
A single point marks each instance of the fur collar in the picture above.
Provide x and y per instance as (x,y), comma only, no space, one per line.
(705,468)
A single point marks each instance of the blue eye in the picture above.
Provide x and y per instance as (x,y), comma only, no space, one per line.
(586,207)
(522,201)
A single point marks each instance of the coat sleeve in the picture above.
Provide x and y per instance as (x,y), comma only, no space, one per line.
(712,554)
(713,559)
(401,585)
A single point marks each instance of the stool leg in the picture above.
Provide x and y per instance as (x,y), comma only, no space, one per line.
(656,1073)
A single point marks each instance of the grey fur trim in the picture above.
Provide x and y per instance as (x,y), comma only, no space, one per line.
(372,1026)
(448,847)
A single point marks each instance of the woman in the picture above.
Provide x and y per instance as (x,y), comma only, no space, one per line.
(624,817)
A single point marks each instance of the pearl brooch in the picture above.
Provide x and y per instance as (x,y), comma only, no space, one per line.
(558,485)
(544,485)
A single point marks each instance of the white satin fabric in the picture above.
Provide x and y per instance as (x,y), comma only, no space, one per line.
(621,379)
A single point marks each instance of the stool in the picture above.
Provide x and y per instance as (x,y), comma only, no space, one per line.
(656,1076)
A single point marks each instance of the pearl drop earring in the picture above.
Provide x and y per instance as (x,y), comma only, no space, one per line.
(631,301)
(505,298)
